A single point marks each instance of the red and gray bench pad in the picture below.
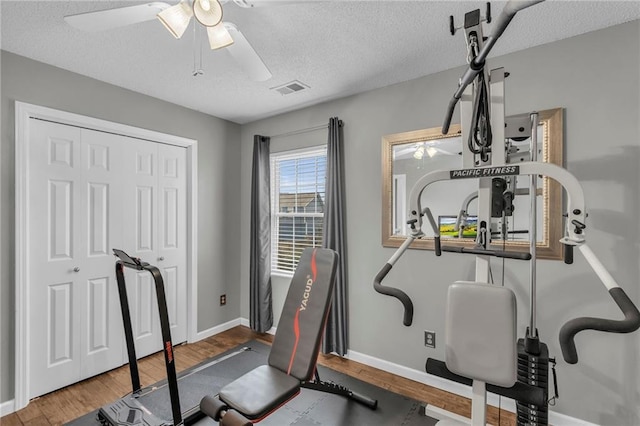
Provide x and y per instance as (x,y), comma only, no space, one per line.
(294,352)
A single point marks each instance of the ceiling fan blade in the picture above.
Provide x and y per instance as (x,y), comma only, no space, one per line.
(115,18)
(246,56)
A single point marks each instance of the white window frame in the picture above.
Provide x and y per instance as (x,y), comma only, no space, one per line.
(275,213)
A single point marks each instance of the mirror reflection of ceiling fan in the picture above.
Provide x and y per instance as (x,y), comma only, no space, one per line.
(176,19)
(448,146)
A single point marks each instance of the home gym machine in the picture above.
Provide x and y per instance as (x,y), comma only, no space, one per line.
(480,331)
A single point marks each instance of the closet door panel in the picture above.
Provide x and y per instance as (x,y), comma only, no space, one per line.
(55,289)
(140,236)
(172,238)
(101,230)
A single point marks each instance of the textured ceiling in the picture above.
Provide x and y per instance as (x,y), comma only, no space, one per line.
(338,48)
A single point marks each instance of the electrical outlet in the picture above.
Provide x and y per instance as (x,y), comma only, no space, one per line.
(223,299)
(430,339)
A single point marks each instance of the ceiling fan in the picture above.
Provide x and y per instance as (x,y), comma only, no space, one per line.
(176,19)
(429,148)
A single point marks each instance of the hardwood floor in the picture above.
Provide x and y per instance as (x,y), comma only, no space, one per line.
(74,401)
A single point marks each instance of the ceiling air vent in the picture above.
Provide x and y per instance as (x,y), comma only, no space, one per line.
(291,87)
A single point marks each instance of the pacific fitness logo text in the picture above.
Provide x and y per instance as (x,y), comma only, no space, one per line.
(484,172)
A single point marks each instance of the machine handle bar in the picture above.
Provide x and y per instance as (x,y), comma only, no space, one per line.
(394,292)
(495,253)
(477,65)
(630,323)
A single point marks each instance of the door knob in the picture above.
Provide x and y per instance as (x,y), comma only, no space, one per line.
(76,269)
(161,258)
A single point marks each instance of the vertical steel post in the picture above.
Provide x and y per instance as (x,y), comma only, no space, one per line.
(533,222)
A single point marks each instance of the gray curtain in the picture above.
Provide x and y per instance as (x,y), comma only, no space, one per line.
(333,237)
(261,315)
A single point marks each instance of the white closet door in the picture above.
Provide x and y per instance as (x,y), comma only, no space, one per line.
(89,192)
(101,229)
(75,329)
(140,226)
(155,231)
(172,234)
(54,251)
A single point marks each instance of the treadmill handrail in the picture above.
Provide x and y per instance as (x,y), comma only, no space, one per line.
(124,260)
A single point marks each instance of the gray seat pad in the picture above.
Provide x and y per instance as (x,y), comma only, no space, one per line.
(260,391)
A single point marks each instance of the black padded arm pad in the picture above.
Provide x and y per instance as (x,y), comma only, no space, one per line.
(394,292)
(630,323)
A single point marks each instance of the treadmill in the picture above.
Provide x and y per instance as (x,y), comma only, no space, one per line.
(131,410)
(148,406)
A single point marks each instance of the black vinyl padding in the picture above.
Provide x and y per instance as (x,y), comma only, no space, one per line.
(407,304)
(259,391)
(629,324)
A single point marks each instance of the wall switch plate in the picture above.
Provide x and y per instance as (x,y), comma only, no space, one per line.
(430,339)
(223,299)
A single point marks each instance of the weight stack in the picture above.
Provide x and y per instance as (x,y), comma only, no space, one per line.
(534,371)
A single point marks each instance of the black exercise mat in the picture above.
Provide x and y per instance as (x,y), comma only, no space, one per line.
(308,408)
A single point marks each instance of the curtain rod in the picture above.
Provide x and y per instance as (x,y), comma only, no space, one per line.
(297,132)
(308,129)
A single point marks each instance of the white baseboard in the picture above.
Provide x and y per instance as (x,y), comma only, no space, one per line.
(217,329)
(7,407)
(245,322)
(440,414)
(559,419)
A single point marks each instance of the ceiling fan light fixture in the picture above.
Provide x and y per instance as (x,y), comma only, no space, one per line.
(219,36)
(207,12)
(176,18)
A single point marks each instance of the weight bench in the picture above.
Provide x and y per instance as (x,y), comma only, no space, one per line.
(294,353)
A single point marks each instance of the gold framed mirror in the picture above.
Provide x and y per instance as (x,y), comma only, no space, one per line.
(408,156)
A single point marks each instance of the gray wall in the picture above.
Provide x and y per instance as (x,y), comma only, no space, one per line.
(218,181)
(595,77)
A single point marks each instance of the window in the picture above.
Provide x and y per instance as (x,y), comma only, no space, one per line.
(297,205)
